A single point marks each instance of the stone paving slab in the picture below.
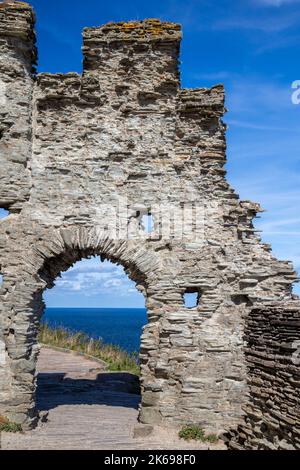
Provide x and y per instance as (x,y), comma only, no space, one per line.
(89,409)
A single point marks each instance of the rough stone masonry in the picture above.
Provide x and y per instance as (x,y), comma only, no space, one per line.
(73,148)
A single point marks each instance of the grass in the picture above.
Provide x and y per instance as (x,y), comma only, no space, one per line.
(8,426)
(116,358)
(196,433)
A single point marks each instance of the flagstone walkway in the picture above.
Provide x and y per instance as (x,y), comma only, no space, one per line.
(85,407)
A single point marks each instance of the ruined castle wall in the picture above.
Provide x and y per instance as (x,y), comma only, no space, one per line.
(17,57)
(123,137)
(273,356)
(115,126)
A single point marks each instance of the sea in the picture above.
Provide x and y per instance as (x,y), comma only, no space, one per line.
(119,326)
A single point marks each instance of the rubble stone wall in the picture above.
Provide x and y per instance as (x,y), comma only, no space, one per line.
(17,59)
(273,357)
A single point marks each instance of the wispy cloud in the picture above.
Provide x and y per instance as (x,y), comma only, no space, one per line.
(255,102)
(257,95)
(275,28)
(258,127)
(264,24)
(91,278)
(275,3)
(278,193)
(281,226)
(275,43)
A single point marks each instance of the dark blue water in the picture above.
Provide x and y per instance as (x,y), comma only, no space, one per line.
(119,326)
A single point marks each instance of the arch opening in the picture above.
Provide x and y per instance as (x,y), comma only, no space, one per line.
(83,312)
(93,290)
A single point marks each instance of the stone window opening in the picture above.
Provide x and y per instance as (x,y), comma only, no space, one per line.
(3,213)
(146,222)
(241,299)
(191,298)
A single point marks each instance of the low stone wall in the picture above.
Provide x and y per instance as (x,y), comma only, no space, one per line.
(273,355)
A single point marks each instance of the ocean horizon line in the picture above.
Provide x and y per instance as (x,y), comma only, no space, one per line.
(97,308)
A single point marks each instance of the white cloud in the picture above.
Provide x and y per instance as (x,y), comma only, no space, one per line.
(276,3)
(275,28)
(280,225)
(263,102)
(111,283)
(91,278)
(259,127)
(253,95)
(268,24)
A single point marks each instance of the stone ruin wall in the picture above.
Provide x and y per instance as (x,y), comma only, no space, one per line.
(272,411)
(71,147)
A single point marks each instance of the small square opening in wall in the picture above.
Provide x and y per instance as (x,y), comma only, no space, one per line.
(147,223)
(191,298)
(3,213)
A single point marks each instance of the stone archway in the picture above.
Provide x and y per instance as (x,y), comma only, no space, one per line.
(51,258)
(192,360)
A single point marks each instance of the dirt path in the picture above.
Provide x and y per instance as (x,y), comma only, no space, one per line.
(87,408)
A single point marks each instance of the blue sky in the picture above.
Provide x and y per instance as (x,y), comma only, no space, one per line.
(90,283)
(253,47)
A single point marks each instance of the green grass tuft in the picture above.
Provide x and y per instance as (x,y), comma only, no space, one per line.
(196,433)
(10,427)
(116,358)
(212,438)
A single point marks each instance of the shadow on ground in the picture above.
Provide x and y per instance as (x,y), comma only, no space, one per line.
(111,389)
